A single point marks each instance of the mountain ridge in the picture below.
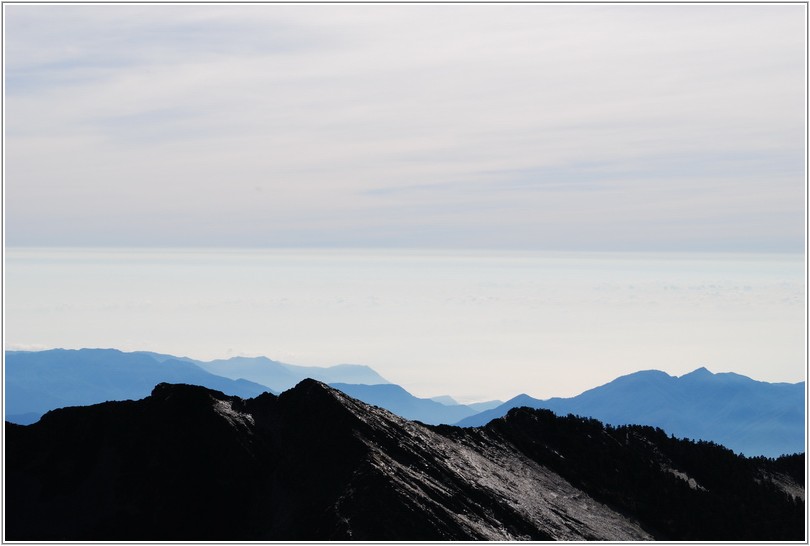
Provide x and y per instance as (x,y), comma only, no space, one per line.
(396,399)
(728,408)
(280,376)
(315,464)
(749,416)
(38,381)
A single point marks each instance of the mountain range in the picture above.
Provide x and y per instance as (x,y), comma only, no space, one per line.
(190,463)
(750,417)
(280,377)
(39,381)
(397,400)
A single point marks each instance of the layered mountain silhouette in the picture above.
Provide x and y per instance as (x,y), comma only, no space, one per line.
(477,406)
(36,382)
(280,377)
(190,463)
(750,417)
(399,401)
(40,381)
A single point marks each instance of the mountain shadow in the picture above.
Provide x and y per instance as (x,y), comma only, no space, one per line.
(189,463)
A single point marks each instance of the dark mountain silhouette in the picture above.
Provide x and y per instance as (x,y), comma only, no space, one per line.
(40,381)
(399,401)
(189,463)
(750,417)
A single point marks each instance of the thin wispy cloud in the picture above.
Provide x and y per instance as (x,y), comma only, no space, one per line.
(539,126)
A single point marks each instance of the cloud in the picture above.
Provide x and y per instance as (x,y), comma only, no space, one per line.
(403,124)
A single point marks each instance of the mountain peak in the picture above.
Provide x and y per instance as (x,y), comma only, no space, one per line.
(309,383)
(701,372)
(306,389)
(297,468)
(164,390)
(188,396)
(311,393)
(521,398)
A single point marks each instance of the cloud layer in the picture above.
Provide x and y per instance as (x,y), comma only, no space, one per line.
(671,127)
(478,325)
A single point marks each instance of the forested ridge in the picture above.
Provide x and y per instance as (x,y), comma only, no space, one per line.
(681,489)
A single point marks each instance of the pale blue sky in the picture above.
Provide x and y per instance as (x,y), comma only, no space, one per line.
(497,127)
(636,127)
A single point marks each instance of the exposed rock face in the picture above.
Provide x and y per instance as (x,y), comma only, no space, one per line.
(188,463)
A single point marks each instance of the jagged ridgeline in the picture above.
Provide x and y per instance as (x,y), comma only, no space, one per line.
(189,463)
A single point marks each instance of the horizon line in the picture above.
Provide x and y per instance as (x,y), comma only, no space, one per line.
(412,248)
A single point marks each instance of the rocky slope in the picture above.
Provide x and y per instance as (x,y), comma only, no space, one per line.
(188,463)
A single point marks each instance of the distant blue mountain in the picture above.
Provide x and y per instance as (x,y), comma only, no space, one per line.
(160,357)
(40,381)
(399,401)
(280,376)
(477,406)
(445,399)
(483,406)
(36,382)
(750,417)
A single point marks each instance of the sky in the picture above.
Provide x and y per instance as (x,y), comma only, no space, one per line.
(458,128)
(548,127)
(477,325)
